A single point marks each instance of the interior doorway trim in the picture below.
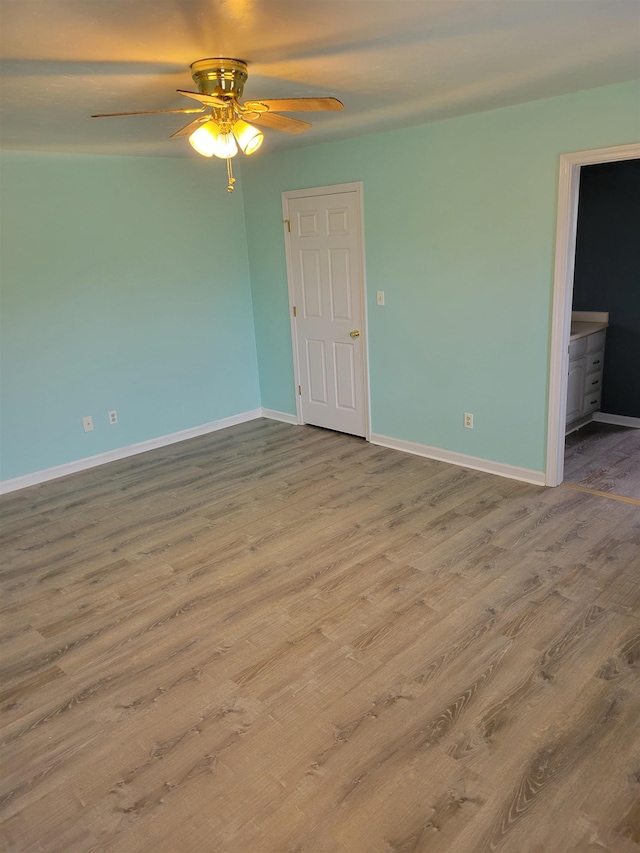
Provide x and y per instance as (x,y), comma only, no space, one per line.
(354,186)
(569,186)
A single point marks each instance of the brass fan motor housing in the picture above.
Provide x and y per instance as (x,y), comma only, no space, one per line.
(220,76)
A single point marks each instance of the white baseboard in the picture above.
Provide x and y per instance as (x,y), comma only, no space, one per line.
(513,472)
(122,452)
(285,417)
(616,420)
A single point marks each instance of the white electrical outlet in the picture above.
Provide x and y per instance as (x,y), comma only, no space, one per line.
(87,423)
(113,417)
(380,297)
(468,420)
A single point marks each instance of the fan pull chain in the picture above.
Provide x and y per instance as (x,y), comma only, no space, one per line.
(232,180)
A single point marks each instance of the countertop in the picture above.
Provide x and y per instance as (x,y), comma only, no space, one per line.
(579,329)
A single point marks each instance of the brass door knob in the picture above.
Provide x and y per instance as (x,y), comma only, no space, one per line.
(355,333)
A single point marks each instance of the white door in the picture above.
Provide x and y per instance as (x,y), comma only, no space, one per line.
(328,295)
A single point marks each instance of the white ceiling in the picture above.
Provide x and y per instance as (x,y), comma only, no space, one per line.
(392,62)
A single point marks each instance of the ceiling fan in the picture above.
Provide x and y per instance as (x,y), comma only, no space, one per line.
(226,123)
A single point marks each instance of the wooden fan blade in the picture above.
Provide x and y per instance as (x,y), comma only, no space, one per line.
(189,128)
(149,112)
(294,105)
(209,100)
(278,122)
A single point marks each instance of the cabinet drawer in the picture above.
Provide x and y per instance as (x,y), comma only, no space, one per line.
(595,361)
(577,348)
(596,341)
(592,383)
(591,403)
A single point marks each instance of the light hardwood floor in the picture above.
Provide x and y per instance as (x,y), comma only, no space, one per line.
(604,457)
(280,639)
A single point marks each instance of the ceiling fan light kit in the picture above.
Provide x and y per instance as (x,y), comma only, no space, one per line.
(211,140)
(249,137)
(227,126)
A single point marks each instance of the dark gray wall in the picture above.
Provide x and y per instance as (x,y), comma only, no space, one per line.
(607,274)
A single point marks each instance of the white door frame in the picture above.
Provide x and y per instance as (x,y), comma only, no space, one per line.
(570,166)
(355,186)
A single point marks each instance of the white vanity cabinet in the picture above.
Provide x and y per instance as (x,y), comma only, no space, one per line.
(586,363)
(575,386)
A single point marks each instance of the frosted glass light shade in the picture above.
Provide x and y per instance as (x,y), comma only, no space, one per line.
(208,141)
(249,137)
(202,140)
(225,146)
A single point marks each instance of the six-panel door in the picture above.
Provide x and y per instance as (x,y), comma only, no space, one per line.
(328,291)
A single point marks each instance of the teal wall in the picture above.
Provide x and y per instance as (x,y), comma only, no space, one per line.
(124,285)
(459,233)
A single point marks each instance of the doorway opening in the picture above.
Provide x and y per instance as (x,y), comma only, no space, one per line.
(566,231)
